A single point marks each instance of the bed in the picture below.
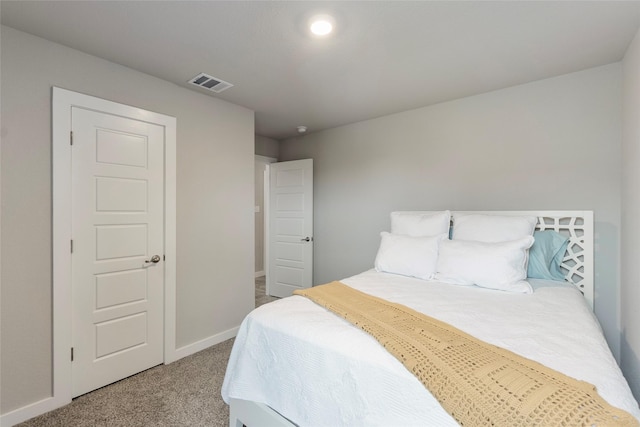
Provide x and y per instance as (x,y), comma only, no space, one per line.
(295,363)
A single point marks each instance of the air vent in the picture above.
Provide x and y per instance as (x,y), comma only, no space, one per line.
(211,83)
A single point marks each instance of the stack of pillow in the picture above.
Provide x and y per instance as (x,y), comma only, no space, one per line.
(490,251)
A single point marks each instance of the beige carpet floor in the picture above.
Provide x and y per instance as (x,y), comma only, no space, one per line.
(184,393)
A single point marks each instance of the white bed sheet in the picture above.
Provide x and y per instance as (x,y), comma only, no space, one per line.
(318,370)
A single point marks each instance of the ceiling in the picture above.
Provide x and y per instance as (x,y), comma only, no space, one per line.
(385,56)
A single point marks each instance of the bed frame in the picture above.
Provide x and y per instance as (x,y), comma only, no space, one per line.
(577,263)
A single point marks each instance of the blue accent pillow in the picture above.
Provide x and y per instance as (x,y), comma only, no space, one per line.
(545,256)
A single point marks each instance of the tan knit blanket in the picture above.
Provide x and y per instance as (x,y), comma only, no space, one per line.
(477,383)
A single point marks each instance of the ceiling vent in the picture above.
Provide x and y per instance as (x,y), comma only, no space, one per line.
(211,83)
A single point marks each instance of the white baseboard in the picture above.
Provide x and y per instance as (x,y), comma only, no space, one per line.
(197,346)
(260,273)
(31,410)
(50,403)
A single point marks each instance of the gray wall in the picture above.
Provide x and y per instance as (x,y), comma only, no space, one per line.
(215,161)
(630,290)
(267,147)
(553,144)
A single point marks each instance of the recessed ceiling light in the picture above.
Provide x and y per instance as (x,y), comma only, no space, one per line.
(321,25)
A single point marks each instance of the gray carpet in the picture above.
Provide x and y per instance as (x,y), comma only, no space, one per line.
(184,393)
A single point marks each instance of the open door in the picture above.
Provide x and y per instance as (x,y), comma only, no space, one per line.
(290,227)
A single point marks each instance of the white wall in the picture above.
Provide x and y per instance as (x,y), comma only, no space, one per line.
(551,144)
(215,161)
(630,289)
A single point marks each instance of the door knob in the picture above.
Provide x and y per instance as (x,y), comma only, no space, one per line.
(307,239)
(154,259)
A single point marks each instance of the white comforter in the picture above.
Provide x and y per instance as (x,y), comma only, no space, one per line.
(318,370)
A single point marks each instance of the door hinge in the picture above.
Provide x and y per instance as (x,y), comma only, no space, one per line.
(71,137)
(71,246)
(164,257)
(72,354)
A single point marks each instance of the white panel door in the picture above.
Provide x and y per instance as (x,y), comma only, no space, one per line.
(117,211)
(290,227)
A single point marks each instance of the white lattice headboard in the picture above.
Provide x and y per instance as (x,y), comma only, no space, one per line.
(578,260)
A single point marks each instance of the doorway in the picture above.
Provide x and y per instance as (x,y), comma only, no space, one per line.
(130,198)
(261,163)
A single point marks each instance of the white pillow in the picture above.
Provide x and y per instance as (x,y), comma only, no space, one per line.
(420,223)
(407,255)
(500,265)
(492,228)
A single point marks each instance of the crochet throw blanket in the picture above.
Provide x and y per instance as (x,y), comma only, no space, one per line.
(479,384)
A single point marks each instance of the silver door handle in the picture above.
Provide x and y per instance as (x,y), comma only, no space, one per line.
(154,259)
(307,239)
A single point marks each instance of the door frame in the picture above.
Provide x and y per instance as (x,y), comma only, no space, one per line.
(266,205)
(265,196)
(62,101)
